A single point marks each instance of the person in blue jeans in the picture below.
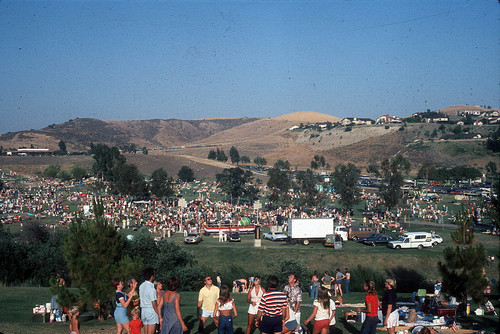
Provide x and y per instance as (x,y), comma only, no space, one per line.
(225,311)
(347,276)
(314,285)
(371,309)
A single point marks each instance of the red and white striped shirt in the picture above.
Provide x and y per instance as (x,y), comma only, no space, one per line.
(272,303)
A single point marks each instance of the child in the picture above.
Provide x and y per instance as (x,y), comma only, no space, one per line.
(135,324)
(222,313)
(74,325)
(291,324)
(323,312)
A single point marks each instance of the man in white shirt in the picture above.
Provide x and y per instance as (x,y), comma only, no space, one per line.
(149,305)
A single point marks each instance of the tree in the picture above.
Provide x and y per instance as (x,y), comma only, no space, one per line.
(129,181)
(234,155)
(52,170)
(212,155)
(393,173)
(221,156)
(78,172)
(62,148)
(106,160)
(319,161)
(345,181)
(166,258)
(92,254)
(279,183)
(260,161)
(493,142)
(311,196)
(427,171)
(463,265)
(491,169)
(161,183)
(64,175)
(236,183)
(186,174)
(244,159)
(373,169)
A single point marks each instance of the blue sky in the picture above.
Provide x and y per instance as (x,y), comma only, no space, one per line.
(125,60)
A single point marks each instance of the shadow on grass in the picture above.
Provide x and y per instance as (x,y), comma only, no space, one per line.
(483,322)
(409,280)
(347,326)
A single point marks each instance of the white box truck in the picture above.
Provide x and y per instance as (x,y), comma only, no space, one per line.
(305,230)
(417,240)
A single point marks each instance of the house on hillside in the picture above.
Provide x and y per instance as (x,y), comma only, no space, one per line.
(30,151)
(356,121)
(469,112)
(386,119)
(437,120)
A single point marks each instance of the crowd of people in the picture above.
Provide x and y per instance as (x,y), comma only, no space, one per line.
(39,198)
(154,310)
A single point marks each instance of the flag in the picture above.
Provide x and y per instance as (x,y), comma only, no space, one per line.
(454,327)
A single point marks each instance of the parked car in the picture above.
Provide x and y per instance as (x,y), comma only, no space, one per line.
(370,236)
(417,240)
(234,236)
(356,232)
(193,238)
(379,240)
(275,236)
(436,239)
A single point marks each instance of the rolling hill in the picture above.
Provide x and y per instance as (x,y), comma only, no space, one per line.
(267,137)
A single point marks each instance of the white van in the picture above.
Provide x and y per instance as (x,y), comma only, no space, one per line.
(342,231)
(417,240)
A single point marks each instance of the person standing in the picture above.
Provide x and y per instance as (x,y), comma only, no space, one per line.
(273,309)
(171,321)
(122,300)
(323,312)
(224,308)
(134,304)
(294,294)
(338,282)
(148,301)
(347,276)
(314,285)
(254,296)
(389,310)
(219,280)
(371,309)
(327,280)
(206,302)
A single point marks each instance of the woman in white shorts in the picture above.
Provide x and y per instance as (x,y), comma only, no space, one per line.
(253,298)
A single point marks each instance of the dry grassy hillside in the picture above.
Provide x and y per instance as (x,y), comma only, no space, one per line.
(454,110)
(267,137)
(308,117)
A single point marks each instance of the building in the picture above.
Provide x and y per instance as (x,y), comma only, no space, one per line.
(386,119)
(30,151)
(356,121)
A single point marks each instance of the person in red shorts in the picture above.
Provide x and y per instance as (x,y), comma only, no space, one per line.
(323,312)
(135,324)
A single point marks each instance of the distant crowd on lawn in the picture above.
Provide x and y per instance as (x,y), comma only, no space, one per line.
(48,198)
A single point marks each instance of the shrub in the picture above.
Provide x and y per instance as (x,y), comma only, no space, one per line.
(360,274)
(286,267)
